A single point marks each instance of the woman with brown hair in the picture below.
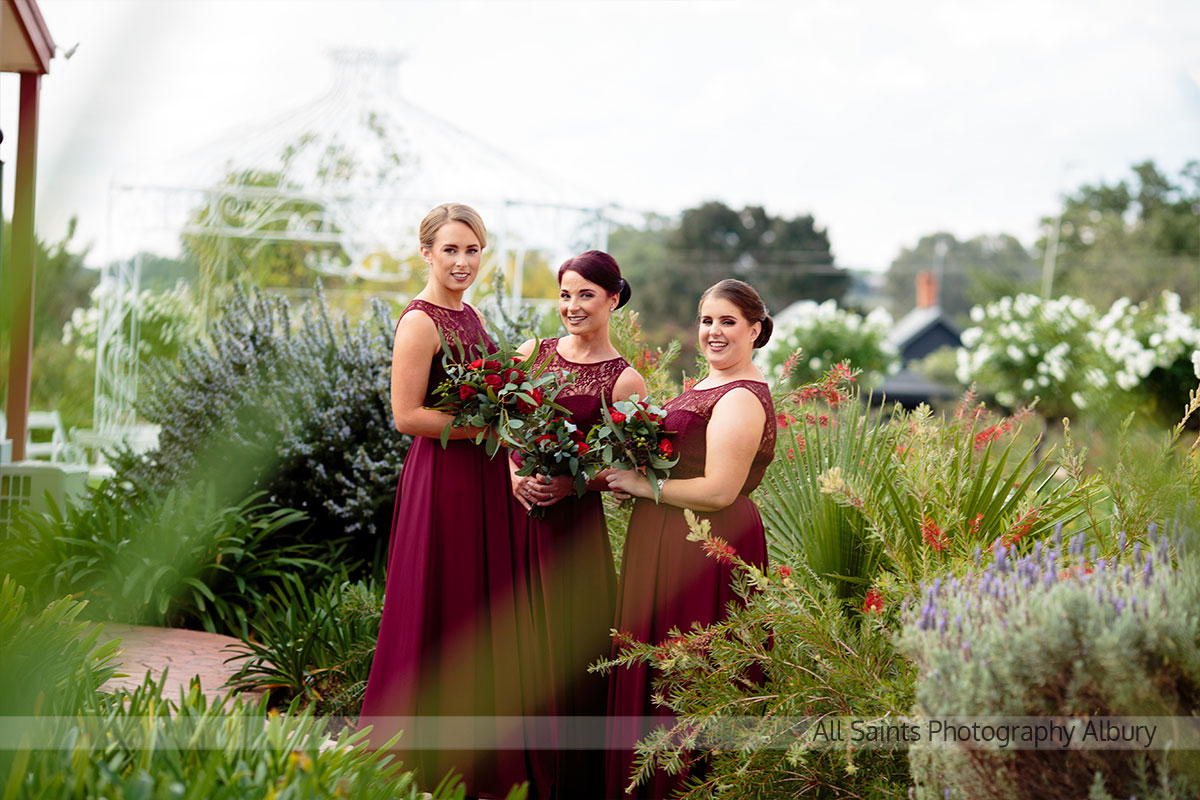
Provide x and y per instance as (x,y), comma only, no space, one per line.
(724,433)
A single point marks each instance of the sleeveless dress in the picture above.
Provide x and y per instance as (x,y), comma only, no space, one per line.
(455,621)
(573,588)
(668,582)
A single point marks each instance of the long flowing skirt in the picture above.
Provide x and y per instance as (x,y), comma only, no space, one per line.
(667,582)
(456,639)
(573,589)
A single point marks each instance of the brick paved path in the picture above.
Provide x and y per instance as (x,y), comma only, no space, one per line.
(186,653)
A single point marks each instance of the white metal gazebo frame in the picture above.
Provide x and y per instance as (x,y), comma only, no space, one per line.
(369,163)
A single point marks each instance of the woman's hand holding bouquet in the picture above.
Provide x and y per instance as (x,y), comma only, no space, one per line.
(631,436)
(497,393)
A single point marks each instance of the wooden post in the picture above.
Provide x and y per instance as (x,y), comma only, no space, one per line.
(22,266)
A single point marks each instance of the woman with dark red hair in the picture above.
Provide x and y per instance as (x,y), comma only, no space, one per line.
(572,580)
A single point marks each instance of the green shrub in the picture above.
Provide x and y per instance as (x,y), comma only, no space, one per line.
(806,525)
(181,559)
(140,744)
(738,687)
(851,495)
(50,663)
(314,645)
(300,411)
(1055,633)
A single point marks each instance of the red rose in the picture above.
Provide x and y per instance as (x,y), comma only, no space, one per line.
(494,381)
(666,448)
(584,447)
(537,396)
(476,364)
(546,437)
(467,392)
(517,359)
(618,417)
(514,376)
(491,364)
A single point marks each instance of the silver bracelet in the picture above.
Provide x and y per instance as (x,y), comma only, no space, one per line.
(661,482)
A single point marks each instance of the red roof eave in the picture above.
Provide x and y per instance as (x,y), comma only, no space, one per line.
(36,32)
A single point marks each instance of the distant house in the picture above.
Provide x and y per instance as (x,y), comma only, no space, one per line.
(920,332)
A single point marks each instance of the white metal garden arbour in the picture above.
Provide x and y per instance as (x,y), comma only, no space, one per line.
(368,162)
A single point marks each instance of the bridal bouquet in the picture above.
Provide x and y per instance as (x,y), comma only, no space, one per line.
(631,436)
(549,444)
(496,392)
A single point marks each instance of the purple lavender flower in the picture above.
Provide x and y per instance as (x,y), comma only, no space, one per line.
(1121,541)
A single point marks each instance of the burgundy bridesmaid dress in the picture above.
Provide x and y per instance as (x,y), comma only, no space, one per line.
(668,582)
(573,585)
(455,624)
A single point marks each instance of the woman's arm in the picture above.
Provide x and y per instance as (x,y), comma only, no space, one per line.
(417,342)
(734,433)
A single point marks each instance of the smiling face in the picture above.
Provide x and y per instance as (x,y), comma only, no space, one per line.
(726,339)
(454,257)
(584,306)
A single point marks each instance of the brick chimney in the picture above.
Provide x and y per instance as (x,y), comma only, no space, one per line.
(927,289)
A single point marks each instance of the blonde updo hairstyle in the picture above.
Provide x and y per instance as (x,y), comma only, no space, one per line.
(747,301)
(451,212)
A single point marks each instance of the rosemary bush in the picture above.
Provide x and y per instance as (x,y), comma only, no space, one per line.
(1059,632)
(299,409)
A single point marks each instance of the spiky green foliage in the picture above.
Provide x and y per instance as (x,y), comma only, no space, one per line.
(183,558)
(50,663)
(739,687)
(854,494)
(314,645)
(809,526)
(140,744)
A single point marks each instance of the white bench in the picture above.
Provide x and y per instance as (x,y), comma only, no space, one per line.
(51,444)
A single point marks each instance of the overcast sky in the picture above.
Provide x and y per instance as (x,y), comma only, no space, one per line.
(885,120)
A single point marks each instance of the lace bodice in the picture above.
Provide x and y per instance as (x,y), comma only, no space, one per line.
(457,327)
(592,386)
(688,416)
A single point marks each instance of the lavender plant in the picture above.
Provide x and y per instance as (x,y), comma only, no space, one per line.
(296,408)
(1058,631)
